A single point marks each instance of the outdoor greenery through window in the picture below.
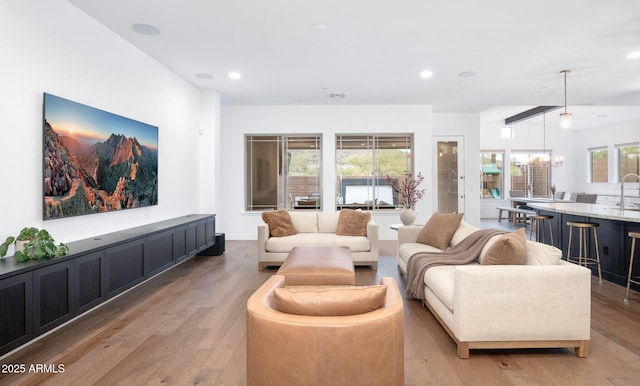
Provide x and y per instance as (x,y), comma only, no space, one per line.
(599,164)
(531,173)
(283,171)
(363,163)
(491,174)
(628,160)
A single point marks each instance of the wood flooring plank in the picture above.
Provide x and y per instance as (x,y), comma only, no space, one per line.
(187,326)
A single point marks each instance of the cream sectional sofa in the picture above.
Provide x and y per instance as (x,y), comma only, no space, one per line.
(544,303)
(317,229)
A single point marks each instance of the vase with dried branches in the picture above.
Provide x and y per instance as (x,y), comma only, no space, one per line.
(407,188)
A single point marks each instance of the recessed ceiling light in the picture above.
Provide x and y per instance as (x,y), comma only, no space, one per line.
(467,74)
(319,27)
(426,74)
(634,55)
(146,29)
(203,75)
(234,75)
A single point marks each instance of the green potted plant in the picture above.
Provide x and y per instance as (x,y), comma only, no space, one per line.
(33,243)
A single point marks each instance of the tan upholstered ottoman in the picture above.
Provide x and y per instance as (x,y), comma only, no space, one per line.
(318,266)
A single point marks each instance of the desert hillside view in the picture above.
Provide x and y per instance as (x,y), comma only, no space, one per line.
(118,173)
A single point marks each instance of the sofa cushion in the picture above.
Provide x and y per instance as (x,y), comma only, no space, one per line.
(440,280)
(439,230)
(406,250)
(330,302)
(305,221)
(286,244)
(328,222)
(353,223)
(279,222)
(542,254)
(507,249)
(464,230)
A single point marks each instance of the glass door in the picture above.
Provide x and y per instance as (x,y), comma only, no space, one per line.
(449,173)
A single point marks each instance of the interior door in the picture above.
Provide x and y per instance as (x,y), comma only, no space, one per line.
(449,173)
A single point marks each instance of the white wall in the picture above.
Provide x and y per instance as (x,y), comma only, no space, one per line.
(329,121)
(609,136)
(50,46)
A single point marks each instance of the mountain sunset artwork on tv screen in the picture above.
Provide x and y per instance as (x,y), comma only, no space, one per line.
(96,161)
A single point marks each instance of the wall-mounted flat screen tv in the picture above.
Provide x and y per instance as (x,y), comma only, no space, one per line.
(96,161)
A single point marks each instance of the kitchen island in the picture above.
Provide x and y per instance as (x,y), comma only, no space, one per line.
(613,240)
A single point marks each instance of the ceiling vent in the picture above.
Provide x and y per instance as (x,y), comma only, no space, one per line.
(332,95)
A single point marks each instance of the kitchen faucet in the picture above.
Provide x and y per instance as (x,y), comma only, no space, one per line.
(622,188)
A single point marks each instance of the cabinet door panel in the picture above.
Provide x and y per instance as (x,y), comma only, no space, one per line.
(192,239)
(90,280)
(52,289)
(160,252)
(180,244)
(125,266)
(16,300)
(202,234)
(211,231)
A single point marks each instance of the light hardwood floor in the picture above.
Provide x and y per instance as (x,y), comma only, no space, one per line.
(187,327)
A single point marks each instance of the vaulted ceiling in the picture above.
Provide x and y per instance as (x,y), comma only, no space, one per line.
(483,56)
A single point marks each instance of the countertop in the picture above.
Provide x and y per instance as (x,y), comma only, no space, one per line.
(607,212)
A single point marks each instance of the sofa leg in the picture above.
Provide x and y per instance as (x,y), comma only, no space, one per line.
(260,266)
(463,350)
(583,350)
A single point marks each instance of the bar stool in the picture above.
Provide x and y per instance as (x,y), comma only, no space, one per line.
(630,278)
(582,258)
(537,223)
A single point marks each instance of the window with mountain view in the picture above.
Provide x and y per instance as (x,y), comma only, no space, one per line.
(363,163)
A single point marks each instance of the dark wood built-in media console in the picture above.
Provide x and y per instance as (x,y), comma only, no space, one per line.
(36,296)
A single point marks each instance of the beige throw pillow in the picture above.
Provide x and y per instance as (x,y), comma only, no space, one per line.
(439,230)
(508,249)
(279,222)
(353,223)
(330,302)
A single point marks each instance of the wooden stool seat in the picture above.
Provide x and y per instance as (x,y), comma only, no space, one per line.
(582,258)
(630,277)
(537,223)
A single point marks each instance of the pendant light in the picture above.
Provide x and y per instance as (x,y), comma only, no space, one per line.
(565,117)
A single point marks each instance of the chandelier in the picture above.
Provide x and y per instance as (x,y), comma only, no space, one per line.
(545,160)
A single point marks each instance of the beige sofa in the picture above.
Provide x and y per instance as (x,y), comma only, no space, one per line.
(544,303)
(292,349)
(317,229)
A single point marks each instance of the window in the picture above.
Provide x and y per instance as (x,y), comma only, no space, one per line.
(362,165)
(283,172)
(491,174)
(628,160)
(531,173)
(599,164)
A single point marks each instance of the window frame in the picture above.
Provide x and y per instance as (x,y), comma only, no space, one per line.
(618,159)
(590,158)
(488,195)
(280,167)
(534,159)
(374,178)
